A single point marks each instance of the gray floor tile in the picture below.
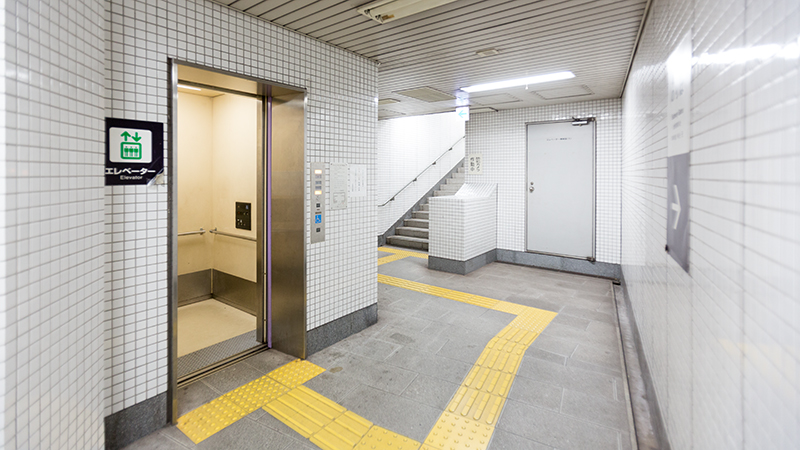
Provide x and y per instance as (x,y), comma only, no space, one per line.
(572,321)
(534,301)
(194,395)
(246,434)
(567,377)
(331,386)
(590,314)
(156,441)
(393,412)
(605,357)
(431,391)
(232,377)
(269,360)
(431,364)
(534,393)
(554,429)
(538,353)
(503,440)
(555,345)
(602,411)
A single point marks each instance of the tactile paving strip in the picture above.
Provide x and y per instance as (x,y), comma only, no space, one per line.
(295,373)
(343,433)
(450,294)
(210,418)
(453,432)
(382,439)
(405,253)
(533,319)
(390,258)
(304,410)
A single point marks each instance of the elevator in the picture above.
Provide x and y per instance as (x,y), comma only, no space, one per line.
(237,231)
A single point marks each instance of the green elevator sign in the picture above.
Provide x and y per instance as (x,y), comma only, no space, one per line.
(130,150)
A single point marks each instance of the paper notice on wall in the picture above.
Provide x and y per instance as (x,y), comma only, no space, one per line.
(339,174)
(475,163)
(358,180)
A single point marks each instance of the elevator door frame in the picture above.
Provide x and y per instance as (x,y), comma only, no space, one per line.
(264,233)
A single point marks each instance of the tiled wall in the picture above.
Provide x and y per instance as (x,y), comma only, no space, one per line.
(500,137)
(464,225)
(51,227)
(406,146)
(341,113)
(721,341)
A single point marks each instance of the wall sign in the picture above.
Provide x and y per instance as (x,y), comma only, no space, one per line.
(357,181)
(339,174)
(134,151)
(475,163)
(679,81)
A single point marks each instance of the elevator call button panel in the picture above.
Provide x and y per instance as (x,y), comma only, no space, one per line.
(243,215)
(317,202)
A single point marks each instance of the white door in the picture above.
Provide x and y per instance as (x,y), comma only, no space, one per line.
(560,189)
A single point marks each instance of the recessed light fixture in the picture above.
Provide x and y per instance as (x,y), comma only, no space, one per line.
(191,88)
(387,101)
(487,52)
(383,11)
(520,82)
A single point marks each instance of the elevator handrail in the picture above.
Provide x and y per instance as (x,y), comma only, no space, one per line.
(188,233)
(423,171)
(222,233)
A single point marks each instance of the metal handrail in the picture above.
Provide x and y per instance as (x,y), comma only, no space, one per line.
(187,233)
(222,233)
(423,171)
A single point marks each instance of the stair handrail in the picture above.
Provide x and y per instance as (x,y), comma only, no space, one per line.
(423,171)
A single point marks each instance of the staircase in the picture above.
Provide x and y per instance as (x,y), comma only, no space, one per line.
(414,232)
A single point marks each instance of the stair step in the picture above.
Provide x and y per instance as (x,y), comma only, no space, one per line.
(450,188)
(443,194)
(457,176)
(408,242)
(418,223)
(425,207)
(421,215)
(412,231)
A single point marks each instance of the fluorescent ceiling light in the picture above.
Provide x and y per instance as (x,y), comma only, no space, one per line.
(383,11)
(183,86)
(520,82)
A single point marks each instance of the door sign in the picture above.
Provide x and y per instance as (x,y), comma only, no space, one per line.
(679,79)
(134,151)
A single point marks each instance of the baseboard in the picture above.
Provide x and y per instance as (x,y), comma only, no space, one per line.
(561,263)
(651,433)
(332,332)
(136,422)
(462,267)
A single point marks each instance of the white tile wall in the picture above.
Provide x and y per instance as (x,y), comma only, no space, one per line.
(500,137)
(51,227)
(406,146)
(464,225)
(341,115)
(722,340)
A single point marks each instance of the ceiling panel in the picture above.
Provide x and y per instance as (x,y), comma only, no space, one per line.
(594,39)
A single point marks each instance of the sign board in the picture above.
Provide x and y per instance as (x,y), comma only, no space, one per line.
(339,175)
(358,181)
(134,151)
(475,163)
(463,113)
(679,82)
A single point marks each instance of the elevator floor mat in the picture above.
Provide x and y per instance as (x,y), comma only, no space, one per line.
(215,353)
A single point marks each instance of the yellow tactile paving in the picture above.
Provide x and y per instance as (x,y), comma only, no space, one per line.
(463,297)
(507,307)
(343,433)
(378,438)
(257,393)
(304,410)
(453,432)
(473,404)
(210,418)
(405,253)
(533,319)
(390,258)
(296,373)
(490,381)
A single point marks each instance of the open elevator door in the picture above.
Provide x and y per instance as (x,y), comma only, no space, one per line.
(274,292)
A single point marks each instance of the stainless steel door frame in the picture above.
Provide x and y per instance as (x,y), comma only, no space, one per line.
(528,185)
(255,88)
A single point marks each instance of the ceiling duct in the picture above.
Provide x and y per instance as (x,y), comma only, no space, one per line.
(426,94)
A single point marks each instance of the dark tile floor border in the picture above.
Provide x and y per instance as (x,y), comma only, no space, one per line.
(135,422)
(560,263)
(461,267)
(333,332)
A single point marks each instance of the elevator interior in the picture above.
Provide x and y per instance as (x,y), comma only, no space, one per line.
(238,252)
